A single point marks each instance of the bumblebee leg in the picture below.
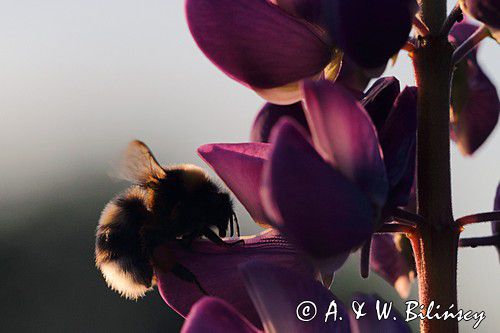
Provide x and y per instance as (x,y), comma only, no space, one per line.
(186,275)
(231,225)
(237,224)
(211,235)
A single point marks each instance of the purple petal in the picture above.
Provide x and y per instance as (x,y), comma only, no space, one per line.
(270,114)
(389,263)
(213,315)
(486,11)
(318,208)
(255,42)
(495,225)
(215,267)
(284,95)
(240,167)
(461,31)
(370,32)
(309,10)
(278,292)
(475,107)
(379,99)
(343,132)
(370,323)
(398,140)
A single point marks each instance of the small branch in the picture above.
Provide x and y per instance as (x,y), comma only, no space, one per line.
(470,43)
(420,27)
(396,228)
(456,15)
(405,217)
(478,218)
(365,259)
(480,241)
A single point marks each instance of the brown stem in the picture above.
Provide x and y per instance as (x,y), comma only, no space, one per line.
(404,216)
(436,241)
(480,241)
(478,218)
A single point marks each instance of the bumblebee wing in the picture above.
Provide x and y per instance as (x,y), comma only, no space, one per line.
(139,164)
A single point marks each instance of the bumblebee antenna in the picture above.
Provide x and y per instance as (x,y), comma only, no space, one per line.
(185,274)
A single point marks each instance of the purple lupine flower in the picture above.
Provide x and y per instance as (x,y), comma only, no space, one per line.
(269,116)
(309,10)
(387,261)
(215,268)
(394,115)
(475,103)
(276,294)
(337,168)
(270,46)
(370,32)
(240,167)
(260,45)
(297,183)
(344,164)
(486,11)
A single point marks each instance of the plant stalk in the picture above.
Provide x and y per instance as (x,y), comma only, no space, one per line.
(435,243)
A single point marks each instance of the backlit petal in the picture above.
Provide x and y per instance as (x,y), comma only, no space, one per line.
(379,99)
(240,167)
(270,114)
(475,107)
(215,268)
(398,140)
(370,32)
(343,132)
(389,263)
(256,42)
(486,11)
(277,293)
(319,209)
(214,315)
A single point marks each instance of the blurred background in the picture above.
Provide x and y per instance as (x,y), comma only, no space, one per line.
(79,80)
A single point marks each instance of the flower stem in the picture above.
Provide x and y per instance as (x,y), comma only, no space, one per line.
(435,243)
(470,44)
(480,241)
(478,218)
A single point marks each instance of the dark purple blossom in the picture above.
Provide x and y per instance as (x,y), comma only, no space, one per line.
(216,269)
(259,44)
(297,182)
(270,46)
(486,11)
(370,32)
(475,104)
(269,116)
(276,293)
(240,167)
(387,261)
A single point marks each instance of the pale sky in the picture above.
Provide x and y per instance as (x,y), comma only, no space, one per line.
(79,79)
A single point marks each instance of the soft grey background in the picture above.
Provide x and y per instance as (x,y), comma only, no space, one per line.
(78,80)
